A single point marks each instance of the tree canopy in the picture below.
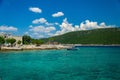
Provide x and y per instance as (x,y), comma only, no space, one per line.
(19,42)
(2,40)
(26,39)
(11,41)
(37,41)
(96,36)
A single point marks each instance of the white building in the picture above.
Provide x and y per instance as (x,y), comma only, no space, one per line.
(6,36)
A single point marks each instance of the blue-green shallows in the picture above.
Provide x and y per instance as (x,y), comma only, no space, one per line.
(87,63)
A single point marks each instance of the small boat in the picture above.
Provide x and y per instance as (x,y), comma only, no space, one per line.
(72,48)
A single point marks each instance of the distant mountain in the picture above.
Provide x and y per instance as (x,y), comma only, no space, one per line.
(96,36)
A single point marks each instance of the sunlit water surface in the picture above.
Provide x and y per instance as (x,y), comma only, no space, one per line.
(87,63)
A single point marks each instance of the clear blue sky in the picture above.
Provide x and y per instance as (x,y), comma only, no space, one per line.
(17,13)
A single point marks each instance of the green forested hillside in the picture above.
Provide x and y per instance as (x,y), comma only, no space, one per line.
(96,36)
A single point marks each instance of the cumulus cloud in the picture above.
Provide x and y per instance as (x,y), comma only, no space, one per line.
(49,24)
(42,27)
(86,25)
(58,14)
(44,21)
(35,9)
(41,31)
(46,29)
(65,27)
(8,28)
(41,20)
(49,29)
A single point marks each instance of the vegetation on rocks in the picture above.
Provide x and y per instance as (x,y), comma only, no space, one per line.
(96,36)
(11,41)
(26,39)
(2,40)
(37,42)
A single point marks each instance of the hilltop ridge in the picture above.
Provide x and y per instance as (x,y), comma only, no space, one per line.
(96,36)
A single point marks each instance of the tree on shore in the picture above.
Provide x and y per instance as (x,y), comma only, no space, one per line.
(33,41)
(2,41)
(50,40)
(26,39)
(11,41)
(19,42)
(38,42)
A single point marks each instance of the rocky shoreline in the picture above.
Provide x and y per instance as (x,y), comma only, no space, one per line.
(33,47)
(49,47)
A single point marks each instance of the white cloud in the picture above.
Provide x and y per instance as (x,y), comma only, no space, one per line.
(65,27)
(8,28)
(37,35)
(49,29)
(46,29)
(44,21)
(50,34)
(58,14)
(37,29)
(49,24)
(76,27)
(87,25)
(35,9)
(52,24)
(41,20)
(41,31)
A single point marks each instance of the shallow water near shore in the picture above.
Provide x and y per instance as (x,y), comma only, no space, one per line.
(87,63)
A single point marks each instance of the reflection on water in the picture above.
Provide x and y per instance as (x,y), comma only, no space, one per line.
(88,63)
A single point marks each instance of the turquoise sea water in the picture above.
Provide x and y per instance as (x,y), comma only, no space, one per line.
(87,63)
